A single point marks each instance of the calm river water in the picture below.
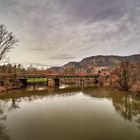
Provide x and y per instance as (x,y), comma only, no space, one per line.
(69,113)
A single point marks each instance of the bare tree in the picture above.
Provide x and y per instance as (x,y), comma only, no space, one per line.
(122,73)
(7,41)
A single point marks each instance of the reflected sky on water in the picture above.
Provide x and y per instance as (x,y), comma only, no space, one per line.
(70,113)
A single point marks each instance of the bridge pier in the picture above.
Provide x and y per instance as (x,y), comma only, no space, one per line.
(95,81)
(23,82)
(82,81)
(53,82)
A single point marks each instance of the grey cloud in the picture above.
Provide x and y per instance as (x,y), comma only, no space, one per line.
(97,10)
(93,10)
(53,28)
(63,56)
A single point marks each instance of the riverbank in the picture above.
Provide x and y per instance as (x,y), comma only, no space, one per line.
(17,84)
(103,81)
(3,88)
(16,88)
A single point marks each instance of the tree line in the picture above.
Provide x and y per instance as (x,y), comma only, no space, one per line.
(123,76)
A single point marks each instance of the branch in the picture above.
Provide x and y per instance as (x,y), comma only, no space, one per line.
(7,41)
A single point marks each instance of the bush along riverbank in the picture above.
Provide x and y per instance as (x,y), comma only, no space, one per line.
(8,84)
(125,76)
(13,83)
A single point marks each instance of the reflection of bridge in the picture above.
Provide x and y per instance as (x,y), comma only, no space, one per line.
(53,78)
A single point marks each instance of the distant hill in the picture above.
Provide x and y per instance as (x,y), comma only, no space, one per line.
(97,61)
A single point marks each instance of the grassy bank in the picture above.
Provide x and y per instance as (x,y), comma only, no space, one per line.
(37,80)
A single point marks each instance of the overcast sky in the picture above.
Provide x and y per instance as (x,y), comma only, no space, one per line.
(54,32)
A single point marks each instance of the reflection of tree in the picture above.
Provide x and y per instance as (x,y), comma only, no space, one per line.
(3,118)
(123,105)
(4,109)
(13,106)
(128,106)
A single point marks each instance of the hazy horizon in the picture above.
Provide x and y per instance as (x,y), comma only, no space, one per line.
(54,32)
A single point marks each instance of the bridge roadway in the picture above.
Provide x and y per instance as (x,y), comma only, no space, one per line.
(53,75)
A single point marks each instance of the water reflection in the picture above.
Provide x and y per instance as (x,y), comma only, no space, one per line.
(126,104)
(53,111)
(129,107)
(3,118)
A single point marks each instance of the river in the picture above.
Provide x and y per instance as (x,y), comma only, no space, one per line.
(69,113)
